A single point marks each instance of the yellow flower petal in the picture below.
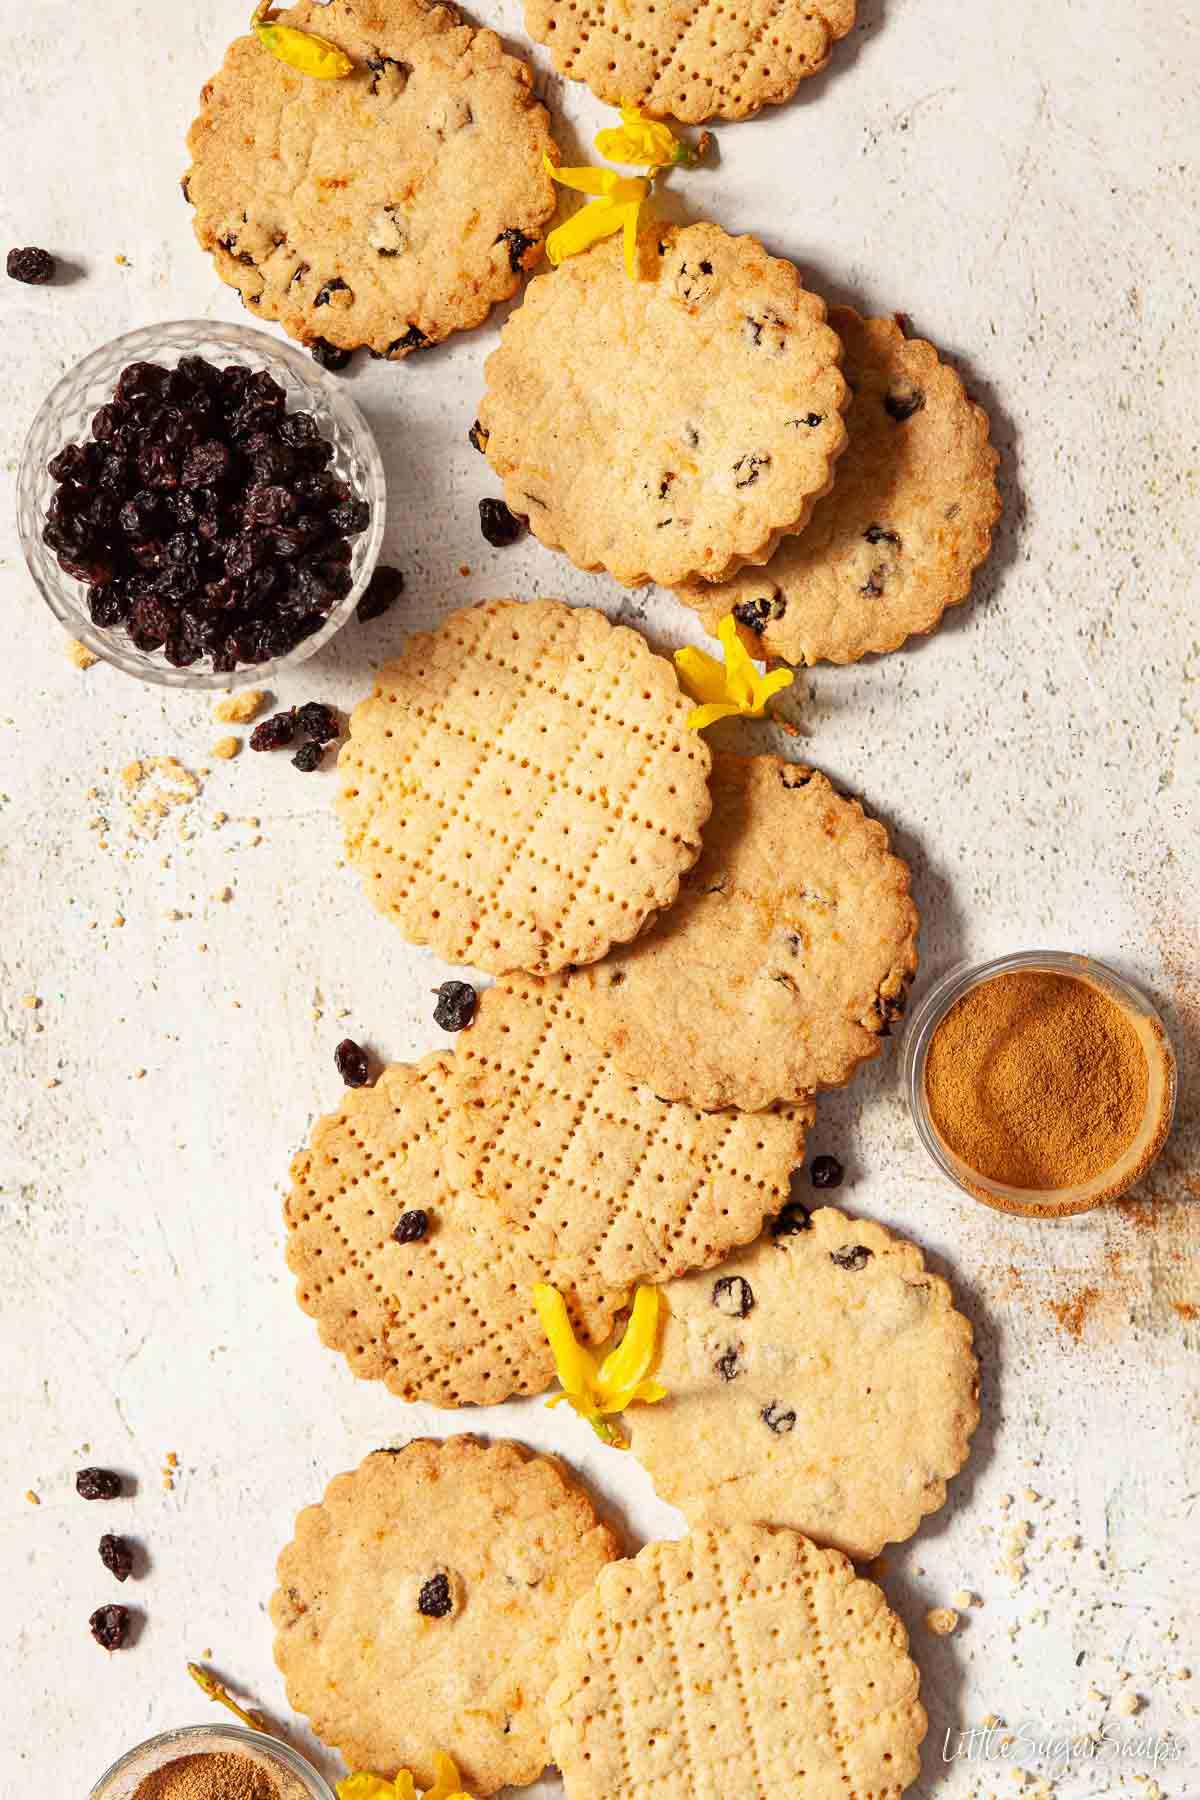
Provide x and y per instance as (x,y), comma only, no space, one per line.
(700,675)
(641,140)
(446,1786)
(575,1365)
(631,211)
(701,716)
(587,226)
(625,1368)
(583,181)
(302,50)
(374,1787)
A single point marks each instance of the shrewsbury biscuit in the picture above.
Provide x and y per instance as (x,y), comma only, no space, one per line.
(405,1275)
(743,1662)
(822,1380)
(671,427)
(690,59)
(604,1183)
(420,1602)
(388,208)
(901,535)
(782,964)
(522,790)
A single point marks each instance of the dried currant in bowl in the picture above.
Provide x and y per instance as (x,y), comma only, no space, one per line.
(198,503)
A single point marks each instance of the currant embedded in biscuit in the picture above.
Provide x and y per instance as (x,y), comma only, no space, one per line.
(406,1275)
(908,522)
(672,427)
(389,207)
(597,1178)
(823,1381)
(782,964)
(420,1602)
(522,790)
(692,60)
(745,1663)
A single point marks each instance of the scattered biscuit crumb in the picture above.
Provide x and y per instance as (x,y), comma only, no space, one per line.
(227,748)
(1031,1495)
(464,569)
(31,1002)
(32,1497)
(963,1599)
(52,1081)
(168,1484)
(156,786)
(79,654)
(220,818)
(223,893)
(1095,1696)
(251,821)
(1128,1703)
(1070,1543)
(1012,1563)
(172,1460)
(941,1620)
(1004,1502)
(990,1721)
(118,920)
(1181,1674)
(139,1074)
(173,914)
(239,709)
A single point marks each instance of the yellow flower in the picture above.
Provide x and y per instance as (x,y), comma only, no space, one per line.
(375,1787)
(301,50)
(734,686)
(615,208)
(645,141)
(597,1392)
(446,1786)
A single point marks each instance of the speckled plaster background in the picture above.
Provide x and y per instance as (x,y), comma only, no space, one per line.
(1019,179)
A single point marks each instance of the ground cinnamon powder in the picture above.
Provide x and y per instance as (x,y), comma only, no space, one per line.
(1037,1080)
(212,1775)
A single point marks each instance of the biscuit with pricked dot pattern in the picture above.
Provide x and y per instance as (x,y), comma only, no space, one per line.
(736,1662)
(405,1275)
(522,790)
(420,1601)
(604,1183)
(690,59)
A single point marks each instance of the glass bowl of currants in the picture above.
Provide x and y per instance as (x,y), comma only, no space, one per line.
(200,505)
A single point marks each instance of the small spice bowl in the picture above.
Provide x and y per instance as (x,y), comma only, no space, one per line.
(297,1779)
(65,416)
(1148,1136)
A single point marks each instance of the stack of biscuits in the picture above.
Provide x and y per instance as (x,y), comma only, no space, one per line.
(686,948)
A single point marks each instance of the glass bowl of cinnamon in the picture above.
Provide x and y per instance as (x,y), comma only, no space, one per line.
(1042,1083)
(212,1762)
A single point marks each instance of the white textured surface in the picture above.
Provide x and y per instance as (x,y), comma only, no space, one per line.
(1019,180)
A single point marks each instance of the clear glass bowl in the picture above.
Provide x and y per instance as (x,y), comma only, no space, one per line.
(122,1781)
(65,417)
(1109,1183)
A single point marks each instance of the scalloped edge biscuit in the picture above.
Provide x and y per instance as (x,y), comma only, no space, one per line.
(514,1540)
(690,61)
(670,427)
(908,522)
(823,1381)
(785,959)
(387,208)
(521,790)
(446,1318)
(744,1662)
